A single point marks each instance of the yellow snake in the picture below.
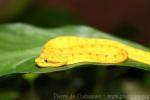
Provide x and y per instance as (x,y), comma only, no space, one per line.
(66,50)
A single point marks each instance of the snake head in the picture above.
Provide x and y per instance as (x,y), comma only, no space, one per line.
(49,61)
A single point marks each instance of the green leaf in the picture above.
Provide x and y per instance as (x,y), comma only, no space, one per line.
(20,44)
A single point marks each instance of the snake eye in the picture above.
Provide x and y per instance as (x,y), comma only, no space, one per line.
(45,60)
